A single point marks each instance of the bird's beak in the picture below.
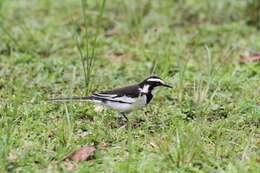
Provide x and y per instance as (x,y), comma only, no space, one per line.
(168,86)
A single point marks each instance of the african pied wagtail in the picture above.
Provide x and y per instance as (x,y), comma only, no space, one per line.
(124,99)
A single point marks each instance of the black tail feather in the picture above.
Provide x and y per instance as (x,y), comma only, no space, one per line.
(70,99)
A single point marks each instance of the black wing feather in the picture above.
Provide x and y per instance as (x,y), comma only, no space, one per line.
(130,91)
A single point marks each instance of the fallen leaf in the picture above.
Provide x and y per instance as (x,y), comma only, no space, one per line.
(80,154)
(251,57)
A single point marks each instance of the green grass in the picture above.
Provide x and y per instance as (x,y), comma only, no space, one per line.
(209,121)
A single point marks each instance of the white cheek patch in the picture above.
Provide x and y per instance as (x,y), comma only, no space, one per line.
(145,89)
(155,80)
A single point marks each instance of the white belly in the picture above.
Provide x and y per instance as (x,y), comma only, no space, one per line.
(139,102)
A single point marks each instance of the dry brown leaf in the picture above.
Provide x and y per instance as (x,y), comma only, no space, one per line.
(80,154)
(253,57)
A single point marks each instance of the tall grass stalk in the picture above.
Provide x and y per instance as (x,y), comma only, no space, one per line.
(201,90)
(87,44)
(253,12)
(68,129)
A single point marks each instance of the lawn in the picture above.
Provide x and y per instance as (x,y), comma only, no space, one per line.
(208,122)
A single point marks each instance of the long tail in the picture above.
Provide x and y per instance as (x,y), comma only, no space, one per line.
(87,98)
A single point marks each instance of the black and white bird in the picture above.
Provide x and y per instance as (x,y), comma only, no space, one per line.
(126,99)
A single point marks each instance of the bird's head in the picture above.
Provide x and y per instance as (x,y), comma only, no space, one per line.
(151,82)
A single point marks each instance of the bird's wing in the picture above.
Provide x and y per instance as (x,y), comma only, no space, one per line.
(121,95)
(119,99)
(131,91)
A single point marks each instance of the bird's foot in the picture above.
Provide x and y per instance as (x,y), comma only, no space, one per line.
(122,121)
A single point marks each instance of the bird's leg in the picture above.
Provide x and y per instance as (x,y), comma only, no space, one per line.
(125,117)
(122,119)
